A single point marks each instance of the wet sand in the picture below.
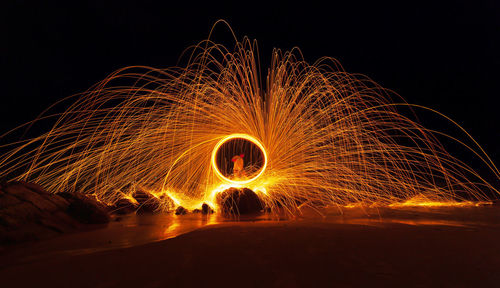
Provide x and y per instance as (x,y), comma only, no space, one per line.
(411,247)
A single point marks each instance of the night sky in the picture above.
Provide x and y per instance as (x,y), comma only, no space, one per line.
(444,56)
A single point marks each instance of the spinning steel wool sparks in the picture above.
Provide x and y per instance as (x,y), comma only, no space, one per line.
(326,137)
(238,181)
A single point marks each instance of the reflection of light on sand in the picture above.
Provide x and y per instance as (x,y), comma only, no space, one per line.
(135,230)
(178,225)
(131,230)
(412,222)
(465,215)
(416,203)
(170,231)
(419,202)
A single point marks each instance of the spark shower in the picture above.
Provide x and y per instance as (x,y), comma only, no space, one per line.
(327,137)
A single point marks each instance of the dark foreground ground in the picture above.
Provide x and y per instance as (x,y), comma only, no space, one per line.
(411,247)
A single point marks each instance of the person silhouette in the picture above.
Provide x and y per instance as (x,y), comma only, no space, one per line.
(238,166)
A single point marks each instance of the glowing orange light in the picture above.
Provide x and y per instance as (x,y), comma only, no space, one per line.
(238,136)
(328,137)
(423,203)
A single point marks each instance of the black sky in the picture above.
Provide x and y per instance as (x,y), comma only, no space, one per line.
(443,55)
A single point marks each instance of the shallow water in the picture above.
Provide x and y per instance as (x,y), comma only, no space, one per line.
(134,230)
(122,232)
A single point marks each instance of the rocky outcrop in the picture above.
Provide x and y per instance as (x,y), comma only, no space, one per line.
(147,202)
(124,206)
(206,209)
(181,211)
(143,201)
(86,209)
(234,201)
(29,212)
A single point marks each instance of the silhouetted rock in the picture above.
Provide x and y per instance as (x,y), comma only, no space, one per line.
(86,209)
(234,201)
(38,199)
(28,212)
(147,201)
(205,209)
(180,211)
(124,206)
(166,203)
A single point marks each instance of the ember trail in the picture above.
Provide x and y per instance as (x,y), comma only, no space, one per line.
(313,135)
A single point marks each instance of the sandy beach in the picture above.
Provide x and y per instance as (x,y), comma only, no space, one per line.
(418,247)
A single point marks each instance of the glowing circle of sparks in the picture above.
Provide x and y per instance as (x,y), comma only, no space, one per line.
(238,136)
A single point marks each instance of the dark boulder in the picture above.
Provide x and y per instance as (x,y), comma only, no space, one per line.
(143,201)
(206,209)
(124,206)
(28,212)
(147,202)
(86,209)
(180,211)
(234,201)
(39,199)
(166,203)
